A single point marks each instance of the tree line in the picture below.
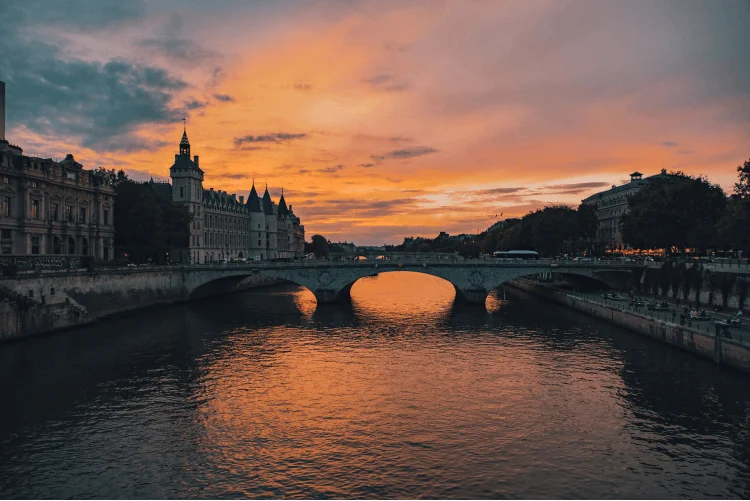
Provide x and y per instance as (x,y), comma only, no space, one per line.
(672,212)
(677,211)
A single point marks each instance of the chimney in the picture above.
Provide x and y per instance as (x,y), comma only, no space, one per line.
(242,199)
(2,111)
(211,189)
(195,160)
(290,207)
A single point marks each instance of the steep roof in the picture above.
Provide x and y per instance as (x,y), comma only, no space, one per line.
(184,162)
(253,201)
(283,210)
(267,203)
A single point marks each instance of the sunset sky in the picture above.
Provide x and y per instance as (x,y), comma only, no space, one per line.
(384,119)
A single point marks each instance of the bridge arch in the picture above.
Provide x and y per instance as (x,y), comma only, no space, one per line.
(331,282)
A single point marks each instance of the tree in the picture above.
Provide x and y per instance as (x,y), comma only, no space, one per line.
(742,186)
(147,226)
(676,211)
(733,227)
(587,223)
(319,245)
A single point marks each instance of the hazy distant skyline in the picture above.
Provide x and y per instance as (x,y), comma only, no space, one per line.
(385,119)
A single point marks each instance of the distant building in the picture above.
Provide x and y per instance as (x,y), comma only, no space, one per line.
(610,207)
(49,207)
(225,227)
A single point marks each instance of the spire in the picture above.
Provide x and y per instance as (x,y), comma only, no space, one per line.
(267,203)
(252,200)
(283,211)
(184,143)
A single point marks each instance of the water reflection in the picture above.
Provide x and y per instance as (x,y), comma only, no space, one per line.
(401,393)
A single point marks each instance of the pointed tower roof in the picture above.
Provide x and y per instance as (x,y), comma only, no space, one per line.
(283,211)
(267,203)
(184,141)
(253,201)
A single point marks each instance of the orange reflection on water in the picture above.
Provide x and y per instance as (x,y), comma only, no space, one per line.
(325,407)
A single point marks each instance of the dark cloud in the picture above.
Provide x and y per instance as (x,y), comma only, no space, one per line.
(268,138)
(499,191)
(668,144)
(303,87)
(405,153)
(171,45)
(332,169)
(399,139)
(89,15)
(224,97)
(97,104)
(579,186)
(367,166)
(195,104)
(238,175)
(386,83)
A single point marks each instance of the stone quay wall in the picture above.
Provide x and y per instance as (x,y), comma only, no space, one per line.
(728,352)
(48,301)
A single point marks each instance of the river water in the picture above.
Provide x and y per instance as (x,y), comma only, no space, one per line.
(400,394)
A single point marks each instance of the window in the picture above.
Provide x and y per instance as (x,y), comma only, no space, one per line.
(35,245)
(71,245)
(5,211)
(182,192)
(5,180)
(105,217)
(84,246)
(258,243)
(54,213)
(106,248)
(5,234)
(34,184)
(69,213)
(35,209)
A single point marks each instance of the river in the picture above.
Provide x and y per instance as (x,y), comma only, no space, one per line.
(400,394)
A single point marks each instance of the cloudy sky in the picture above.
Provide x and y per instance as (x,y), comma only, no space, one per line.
(384,119)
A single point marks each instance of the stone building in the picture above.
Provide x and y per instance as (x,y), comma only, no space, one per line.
(610,207)
(227,227)
(49,207)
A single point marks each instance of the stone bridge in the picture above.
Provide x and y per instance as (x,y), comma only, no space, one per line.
(40,300)
(331,281)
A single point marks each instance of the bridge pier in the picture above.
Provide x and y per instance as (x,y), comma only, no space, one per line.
(326,295)
(474,295)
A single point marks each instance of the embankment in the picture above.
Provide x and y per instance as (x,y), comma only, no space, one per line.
(46,302)
(728,352)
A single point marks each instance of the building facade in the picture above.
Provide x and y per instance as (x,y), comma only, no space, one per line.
(226,226)
(610,206)
(52,208)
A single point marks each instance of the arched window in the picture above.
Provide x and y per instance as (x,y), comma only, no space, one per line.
(84,246)
(57,244)
(71,245)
